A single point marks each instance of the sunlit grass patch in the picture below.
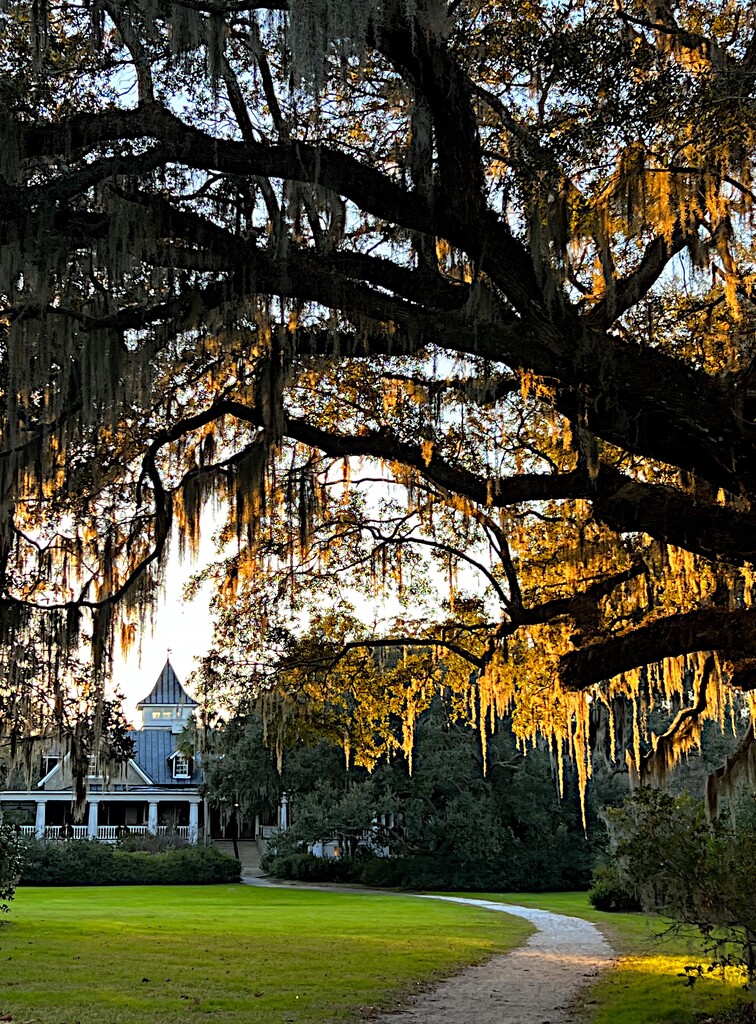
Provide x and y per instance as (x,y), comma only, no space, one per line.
(161,955)
(649,990)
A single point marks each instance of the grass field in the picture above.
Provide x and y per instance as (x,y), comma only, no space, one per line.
(159,955)
(645,987)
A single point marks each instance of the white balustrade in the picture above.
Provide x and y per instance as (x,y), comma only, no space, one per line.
(110,833)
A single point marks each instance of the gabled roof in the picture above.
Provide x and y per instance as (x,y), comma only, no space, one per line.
(154,750)
(53,771)
(168,690)
(132,763)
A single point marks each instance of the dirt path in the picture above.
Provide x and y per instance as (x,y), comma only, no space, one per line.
(531,985)
(534,984)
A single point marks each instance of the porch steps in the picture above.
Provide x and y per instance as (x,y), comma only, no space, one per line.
(249,855)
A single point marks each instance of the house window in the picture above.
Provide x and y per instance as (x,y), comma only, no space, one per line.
(180,766)
(92,771)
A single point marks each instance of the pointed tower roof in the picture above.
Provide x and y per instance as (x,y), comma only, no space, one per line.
(168,690)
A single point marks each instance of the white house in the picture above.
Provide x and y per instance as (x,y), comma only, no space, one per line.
(156,791)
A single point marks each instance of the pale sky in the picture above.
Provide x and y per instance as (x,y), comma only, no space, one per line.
(184,627)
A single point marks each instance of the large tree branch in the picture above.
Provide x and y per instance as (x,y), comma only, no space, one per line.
(370,189)
(627,291)
(715,531)
(682,732)
(409,641)
(738,768)
(583,605)
(638,398)
(731,632)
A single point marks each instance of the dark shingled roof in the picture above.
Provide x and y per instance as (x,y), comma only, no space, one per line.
(152,748)
(168,690)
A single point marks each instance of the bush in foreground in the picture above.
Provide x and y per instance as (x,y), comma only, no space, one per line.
(81,862)
(10,864)
(693,871)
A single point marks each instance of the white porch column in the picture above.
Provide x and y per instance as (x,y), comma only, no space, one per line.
(39,822)
(94,809)
(283,814)
(193,821)
(152,819)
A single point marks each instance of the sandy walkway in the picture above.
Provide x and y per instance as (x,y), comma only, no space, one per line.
(531,985)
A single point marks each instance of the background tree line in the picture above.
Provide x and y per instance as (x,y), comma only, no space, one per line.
(447,825)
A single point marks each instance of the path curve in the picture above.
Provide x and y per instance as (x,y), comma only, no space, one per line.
(534,984)
(531,985)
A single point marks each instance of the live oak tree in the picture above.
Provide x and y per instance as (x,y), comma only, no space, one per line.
(413,290)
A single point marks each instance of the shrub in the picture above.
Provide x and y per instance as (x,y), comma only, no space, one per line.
(418,872)
(81,862)
(610,893)
(381,873)
(693,871)
(152,843)
(10,864)
(306,868)
(76,862)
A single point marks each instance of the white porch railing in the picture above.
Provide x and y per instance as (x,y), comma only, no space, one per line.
(105,833)
(161,830)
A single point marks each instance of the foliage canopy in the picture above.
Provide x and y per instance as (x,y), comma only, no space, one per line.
(497,256)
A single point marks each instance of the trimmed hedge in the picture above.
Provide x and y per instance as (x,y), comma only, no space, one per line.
(82,862)
(136,843)
(306,868)
(444,874)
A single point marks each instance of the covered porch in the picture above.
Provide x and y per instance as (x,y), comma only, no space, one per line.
(107,816)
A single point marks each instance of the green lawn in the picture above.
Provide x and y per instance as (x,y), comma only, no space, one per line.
(233,953)
(645,987)
(160,955)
